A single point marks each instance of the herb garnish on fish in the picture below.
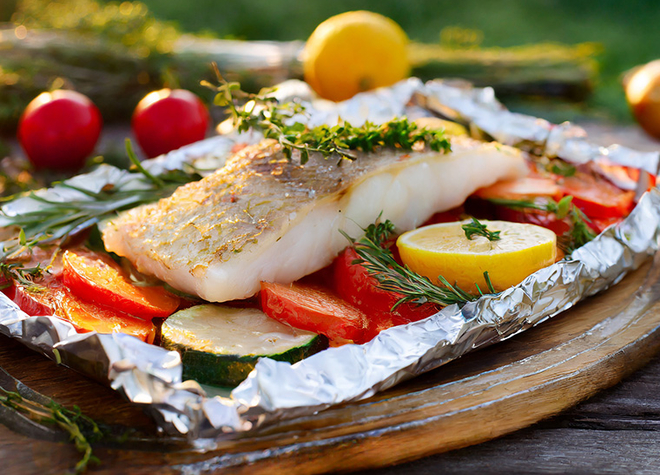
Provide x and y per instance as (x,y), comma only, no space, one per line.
(393,277)
(262,112)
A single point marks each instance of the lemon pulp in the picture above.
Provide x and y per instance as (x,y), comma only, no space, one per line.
(444,250)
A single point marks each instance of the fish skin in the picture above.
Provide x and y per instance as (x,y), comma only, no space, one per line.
(265,218)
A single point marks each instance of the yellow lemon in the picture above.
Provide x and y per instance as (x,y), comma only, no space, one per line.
(642,87)
(444,250)
(354,52)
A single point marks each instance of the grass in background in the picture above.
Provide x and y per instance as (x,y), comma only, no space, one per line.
(628,31)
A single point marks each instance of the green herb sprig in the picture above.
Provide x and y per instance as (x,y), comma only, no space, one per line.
(561,168)
(55,221)
(579,233)
(263,113)
(476,228)
(393,277)
(25,276)
(81,429)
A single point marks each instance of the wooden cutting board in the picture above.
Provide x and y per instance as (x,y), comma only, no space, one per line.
(486,394)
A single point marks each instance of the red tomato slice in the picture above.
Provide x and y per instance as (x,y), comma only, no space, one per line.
(57,300)
(449,216)
(97,278)
(538,217)
(600,224)
(353,283)
(598,198)
(526,188)
(314,309)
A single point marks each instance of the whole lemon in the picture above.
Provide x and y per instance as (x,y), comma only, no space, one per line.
(354,52)
(643,94)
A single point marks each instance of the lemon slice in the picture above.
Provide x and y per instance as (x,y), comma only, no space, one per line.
(434,123)
(444,250)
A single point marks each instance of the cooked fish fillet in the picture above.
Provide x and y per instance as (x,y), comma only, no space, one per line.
(264,218)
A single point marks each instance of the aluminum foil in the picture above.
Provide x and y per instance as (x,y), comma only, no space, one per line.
(151,376)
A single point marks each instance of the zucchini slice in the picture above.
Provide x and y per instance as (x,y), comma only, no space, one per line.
(220,345)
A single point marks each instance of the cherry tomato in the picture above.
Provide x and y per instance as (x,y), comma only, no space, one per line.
(59,130)
(168,119)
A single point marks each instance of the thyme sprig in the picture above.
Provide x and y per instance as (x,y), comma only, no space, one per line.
(25,276)
(56,220)
(393,277)
(82,430)
(277,121)
(579,233)
(476,228)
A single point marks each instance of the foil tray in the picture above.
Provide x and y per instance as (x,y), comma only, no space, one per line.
(150,376)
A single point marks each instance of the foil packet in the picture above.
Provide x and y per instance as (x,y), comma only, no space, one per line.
(151,376)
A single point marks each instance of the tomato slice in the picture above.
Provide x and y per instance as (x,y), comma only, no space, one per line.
(315,309)
(353,283)
(97,278)
(532,216)
(454,214)
(596,197)
(56,299)
(526,188)
(600,224)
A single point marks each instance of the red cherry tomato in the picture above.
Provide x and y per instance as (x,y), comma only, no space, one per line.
(168,119)
(59,130)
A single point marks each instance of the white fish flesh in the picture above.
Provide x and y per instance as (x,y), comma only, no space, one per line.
(264,218)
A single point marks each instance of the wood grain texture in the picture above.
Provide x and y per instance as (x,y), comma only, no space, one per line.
(482,396)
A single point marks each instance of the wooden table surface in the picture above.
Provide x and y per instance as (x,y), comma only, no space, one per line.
(613,432)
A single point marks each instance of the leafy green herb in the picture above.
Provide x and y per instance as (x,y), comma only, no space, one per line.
(475,227)
(81,429)
(393,277)
(559,167)
(25,276)
(277,121)
(580,232)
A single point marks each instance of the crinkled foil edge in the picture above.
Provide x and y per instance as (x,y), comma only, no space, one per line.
(151,376)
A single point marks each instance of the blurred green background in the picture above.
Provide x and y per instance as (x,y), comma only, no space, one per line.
(139,41)
(629,31)
(556,59)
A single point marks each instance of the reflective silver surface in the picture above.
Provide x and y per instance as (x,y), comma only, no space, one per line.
(151,376)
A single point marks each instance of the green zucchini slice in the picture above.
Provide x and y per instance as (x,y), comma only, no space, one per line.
(220,345)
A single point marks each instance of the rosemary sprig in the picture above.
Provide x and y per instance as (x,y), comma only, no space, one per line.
(277,121)
(82,430)
(579,233)
(476,228)
(394,277)
(56,220)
